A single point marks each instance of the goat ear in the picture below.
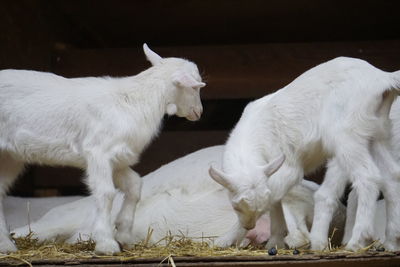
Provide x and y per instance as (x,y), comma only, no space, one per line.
(180,78)
(221,178)
(274,165)
(151,55)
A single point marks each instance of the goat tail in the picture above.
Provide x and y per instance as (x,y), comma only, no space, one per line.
(396,80)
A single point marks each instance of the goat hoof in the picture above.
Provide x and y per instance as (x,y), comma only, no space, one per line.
(7,246)
(319,244)
(125,238)
(353,246)
(107,247)
(295,240)
(223,242)
(391,246)
(245,242)
(275,243)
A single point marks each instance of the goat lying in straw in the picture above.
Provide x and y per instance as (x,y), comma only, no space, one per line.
(182,200)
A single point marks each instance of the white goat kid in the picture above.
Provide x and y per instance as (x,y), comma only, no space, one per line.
(337,111)
(98,124)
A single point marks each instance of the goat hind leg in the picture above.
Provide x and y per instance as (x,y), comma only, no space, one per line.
(298,235)
(392,198)
(350,216)
(391,188)
(365,176)
(9,171)
(130,183)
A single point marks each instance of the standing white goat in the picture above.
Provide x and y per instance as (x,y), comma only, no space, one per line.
(337,111)
(98,124)
(196,207)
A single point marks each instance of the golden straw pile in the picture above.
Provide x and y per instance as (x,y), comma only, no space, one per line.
(32,250)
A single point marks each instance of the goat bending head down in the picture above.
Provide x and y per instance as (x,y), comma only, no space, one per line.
(336,112)
(99,124)
(245,196)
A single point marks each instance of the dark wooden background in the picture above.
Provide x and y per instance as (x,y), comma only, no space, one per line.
(244,49)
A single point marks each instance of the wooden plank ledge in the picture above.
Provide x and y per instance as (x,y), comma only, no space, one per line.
(309,260)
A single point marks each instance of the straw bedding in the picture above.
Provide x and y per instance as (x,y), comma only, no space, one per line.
(31,250)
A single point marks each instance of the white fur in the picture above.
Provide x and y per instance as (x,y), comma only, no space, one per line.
(100,125)
(380,220)
(336,111)
(21,211)
(182,200)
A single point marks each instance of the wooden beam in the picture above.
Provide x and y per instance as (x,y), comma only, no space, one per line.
(307,260)
(121,23)
(231,71)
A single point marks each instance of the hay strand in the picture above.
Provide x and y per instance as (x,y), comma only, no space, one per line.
(16,258)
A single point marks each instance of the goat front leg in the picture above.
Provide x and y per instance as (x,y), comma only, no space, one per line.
(100,182)
(280,183)
(278,227)
(326,202)
(234,236)
(130,183)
